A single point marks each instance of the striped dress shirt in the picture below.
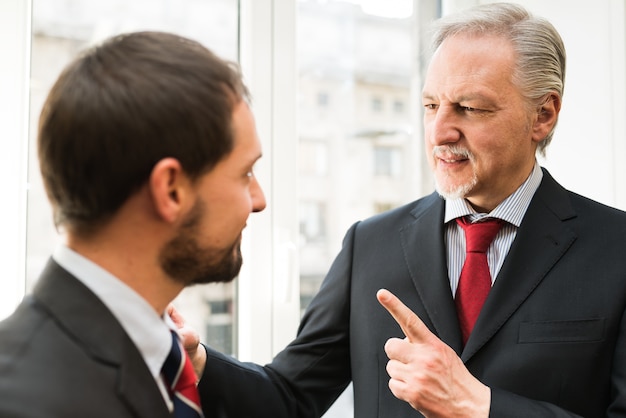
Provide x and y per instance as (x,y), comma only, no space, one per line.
(511,210)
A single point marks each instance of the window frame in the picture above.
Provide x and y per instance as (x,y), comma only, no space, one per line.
(15,28)
(268,286)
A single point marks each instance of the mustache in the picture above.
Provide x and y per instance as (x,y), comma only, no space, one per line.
(456,151)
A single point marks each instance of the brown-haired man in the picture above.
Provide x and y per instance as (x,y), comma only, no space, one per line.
(146,147)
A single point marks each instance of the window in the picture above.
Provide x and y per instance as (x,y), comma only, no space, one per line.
(312,221)
(398,107)
(60,28)
(313,158)
(346,48)
(367,55)
(322,99)
(387,161)
(377,104)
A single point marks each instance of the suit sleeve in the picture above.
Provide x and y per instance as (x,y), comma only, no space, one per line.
(308,375)
(316,366)
(229,388)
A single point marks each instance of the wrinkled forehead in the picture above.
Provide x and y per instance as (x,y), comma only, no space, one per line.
(468,59)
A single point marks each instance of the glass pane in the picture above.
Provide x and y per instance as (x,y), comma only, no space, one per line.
(357,152)
(62,28)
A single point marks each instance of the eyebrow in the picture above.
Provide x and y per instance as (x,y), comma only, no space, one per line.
(463,98)
(251,161)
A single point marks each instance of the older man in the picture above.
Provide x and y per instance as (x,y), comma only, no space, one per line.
(515,288)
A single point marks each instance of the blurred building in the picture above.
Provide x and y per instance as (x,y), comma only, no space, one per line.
(358,154)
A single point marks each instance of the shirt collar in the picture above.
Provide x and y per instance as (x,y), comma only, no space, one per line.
(511,210)
(149,331)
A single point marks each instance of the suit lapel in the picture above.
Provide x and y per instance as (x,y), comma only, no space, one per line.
(542,239)
(140,393)
(82,315)
(425,255)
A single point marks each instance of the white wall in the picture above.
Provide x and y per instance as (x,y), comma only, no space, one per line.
(588,152)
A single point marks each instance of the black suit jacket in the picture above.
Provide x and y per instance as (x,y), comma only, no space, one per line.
(550,340)
(64,355)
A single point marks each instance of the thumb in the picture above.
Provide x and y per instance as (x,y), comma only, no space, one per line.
(176,317)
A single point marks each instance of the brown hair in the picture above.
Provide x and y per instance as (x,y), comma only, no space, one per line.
(120,108)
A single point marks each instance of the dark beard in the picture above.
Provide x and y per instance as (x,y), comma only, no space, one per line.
(187,262)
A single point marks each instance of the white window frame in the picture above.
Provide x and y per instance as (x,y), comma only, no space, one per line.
(14,93)
(269,286)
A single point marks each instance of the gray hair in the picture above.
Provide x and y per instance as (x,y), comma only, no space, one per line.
(540,67)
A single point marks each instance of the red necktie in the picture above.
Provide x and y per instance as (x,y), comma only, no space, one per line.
(181,380)
(475,281)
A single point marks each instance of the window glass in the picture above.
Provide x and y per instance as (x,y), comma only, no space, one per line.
(387,161)
(356,76)
(357,148)
(62,28)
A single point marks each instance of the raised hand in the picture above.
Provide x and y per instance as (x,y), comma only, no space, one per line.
(427,373)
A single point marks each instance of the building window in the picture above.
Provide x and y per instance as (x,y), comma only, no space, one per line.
(387,161)
(220,337)
(398,107)
(313,158)
(323,99)
(377,104)
(313,221)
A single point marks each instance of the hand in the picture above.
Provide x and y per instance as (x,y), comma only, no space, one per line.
(427,373)
(190,339)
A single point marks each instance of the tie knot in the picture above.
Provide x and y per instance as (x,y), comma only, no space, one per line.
(479,235)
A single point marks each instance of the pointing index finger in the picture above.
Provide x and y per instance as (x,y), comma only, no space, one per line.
(411,325)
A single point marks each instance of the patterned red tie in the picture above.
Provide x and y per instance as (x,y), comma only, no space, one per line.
(179,375)
(475,281)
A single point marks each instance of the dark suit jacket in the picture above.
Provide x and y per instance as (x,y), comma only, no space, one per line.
(550,340)
(64,355)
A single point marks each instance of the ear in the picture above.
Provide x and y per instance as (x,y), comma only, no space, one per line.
(547,116)
(169,187)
